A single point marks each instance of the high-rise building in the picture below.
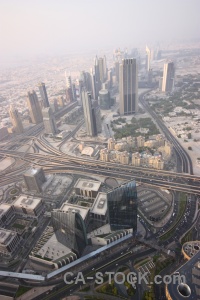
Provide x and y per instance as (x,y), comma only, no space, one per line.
(122,207)
(148,58)
(89,114)
(16,119)
(70,229)
(34,179)
(34,107)
(128,86)
(49,121)
(43,94)
(168,77)
(104,99)
(97,77)
(71,90)
(97,115)
(61,101)
(102,69)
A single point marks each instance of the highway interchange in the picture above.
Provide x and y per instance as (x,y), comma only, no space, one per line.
(54,161)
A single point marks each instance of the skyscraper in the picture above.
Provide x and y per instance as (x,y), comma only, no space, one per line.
(15,119)
(122,207)
(148,58)
(49,121)
(128,86)
(89,114)
(97,77)
(71,91)
(43,94)
(70,230)
(34,107)
(34,179)
(97,115)
(168,77)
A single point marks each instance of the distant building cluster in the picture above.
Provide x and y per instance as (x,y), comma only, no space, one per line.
(118,151)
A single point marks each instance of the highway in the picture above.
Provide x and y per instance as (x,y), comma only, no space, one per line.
(64,163)
(184,163)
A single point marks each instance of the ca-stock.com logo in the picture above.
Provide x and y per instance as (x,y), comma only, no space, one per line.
(120,278)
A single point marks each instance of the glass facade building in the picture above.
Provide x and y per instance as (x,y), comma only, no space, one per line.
(122,207)
(70,230)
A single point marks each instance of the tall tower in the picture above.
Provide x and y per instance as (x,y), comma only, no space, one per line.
(43,94)
(71,92)
(168,77)
(89,114)
(15,119)
(148,58)
(97,77)
(34,107)
(128,86)
(49,121)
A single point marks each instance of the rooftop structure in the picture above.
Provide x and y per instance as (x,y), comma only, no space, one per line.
(9,241)
(28,205)
(83,211)
(100,204)
(87,188)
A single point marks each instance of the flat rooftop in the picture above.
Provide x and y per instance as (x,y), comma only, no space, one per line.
(88,185)
(32,171)
(83,211)
(6,235)
(27,202)
(4,208)
(100,204)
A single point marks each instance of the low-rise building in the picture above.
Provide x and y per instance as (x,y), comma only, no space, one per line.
(6,214)
(9,242)
(29,205)
(87,188)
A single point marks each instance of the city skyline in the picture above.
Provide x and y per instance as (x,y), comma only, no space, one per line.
(54,34)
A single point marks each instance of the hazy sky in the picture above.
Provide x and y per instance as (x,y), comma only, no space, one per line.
(62,26)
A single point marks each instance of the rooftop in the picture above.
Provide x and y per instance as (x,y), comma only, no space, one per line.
(89,185)
(27,201)
(100,204)
(32,171)
(83,211)
(6,235)
(53,250)
(3,208)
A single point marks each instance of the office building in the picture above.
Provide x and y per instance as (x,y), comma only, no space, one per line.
(148,58)
(97,115)
(70,230)
(122,207)
(9,242)
(97,77)
(88,189)
(89,114)
(34,179)
(34,107)
(102,69)
(43,94)
(128,86)
(29,205)
(6,214)
(71,90)
(104,99)
(16,120)
(49,121)
(168,77)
